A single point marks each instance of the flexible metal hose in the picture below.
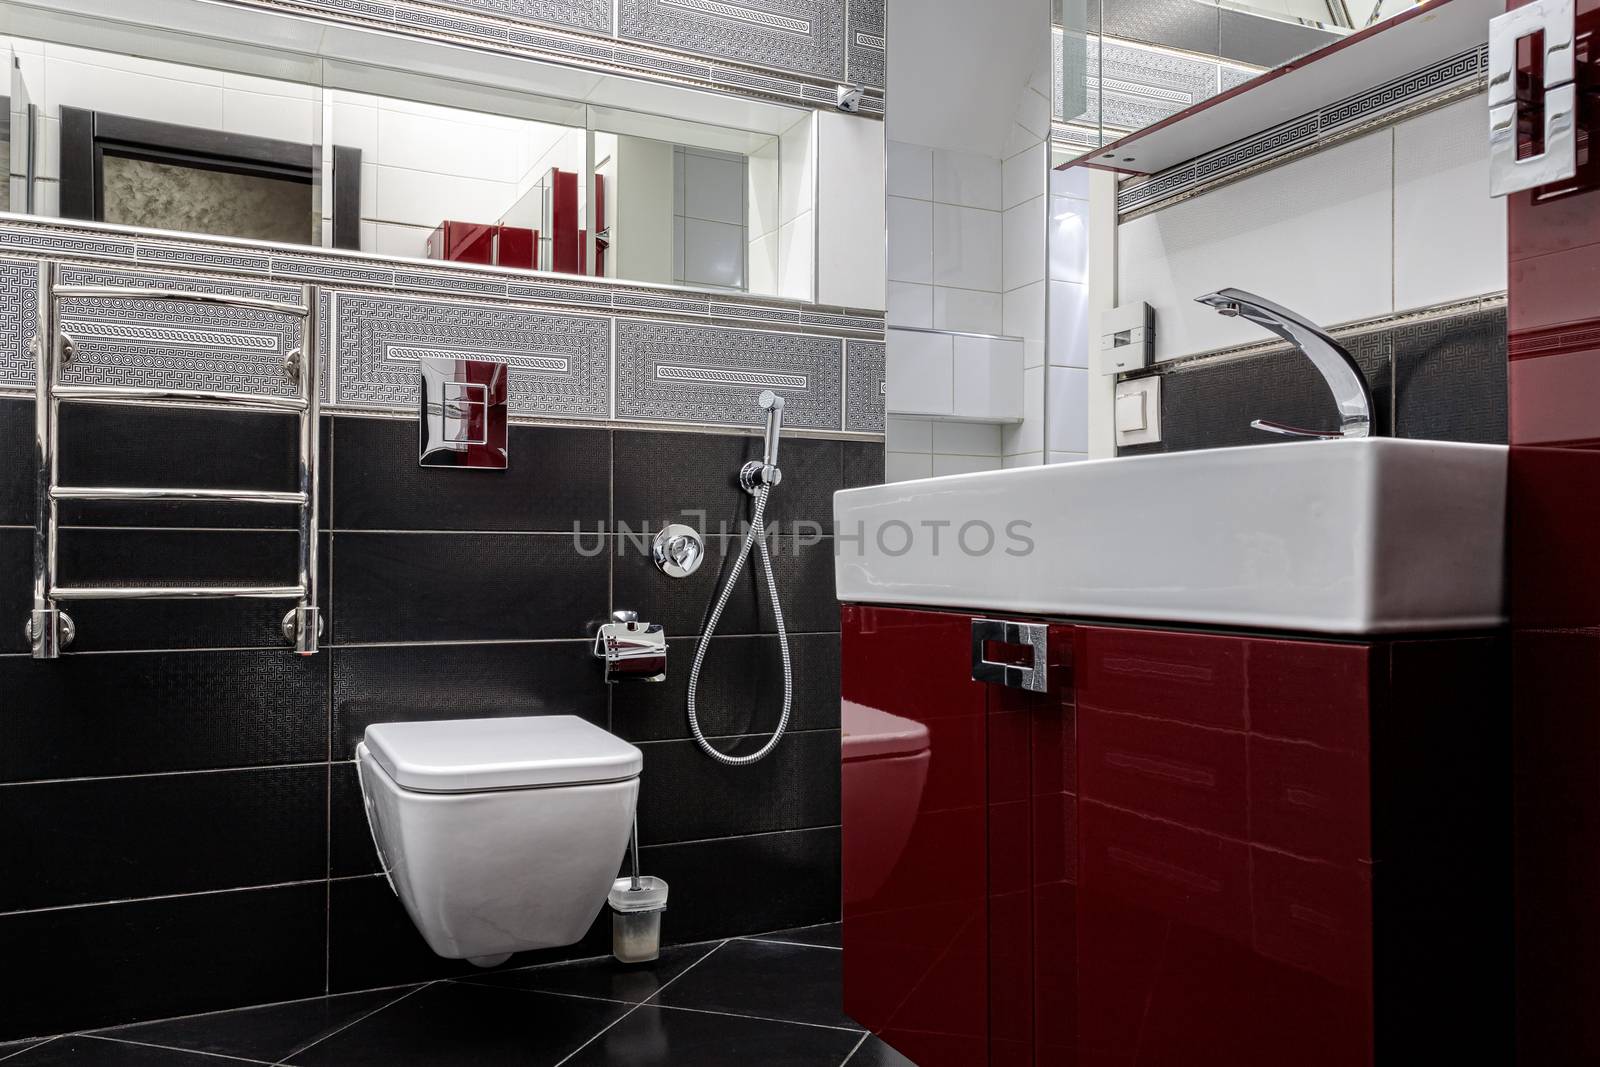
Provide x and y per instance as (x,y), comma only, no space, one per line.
(757,533)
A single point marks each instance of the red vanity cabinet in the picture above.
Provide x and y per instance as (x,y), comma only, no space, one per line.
(1189,849)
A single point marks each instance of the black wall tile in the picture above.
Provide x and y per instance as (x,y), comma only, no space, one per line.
(426,682)
(805,589)
(16,473)
(684,795)
(740,692)
(350,848)
(863,463)
(666,477)
(139,713)
(372,941)
(556,477)
(1451,378)
(122,838)
(747,885)
(81,967)
(16,585)
(464,587)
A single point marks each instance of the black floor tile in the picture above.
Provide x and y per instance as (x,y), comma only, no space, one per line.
(874,1053)
(791,983)
(828,935)
(98,1052)
(603,978)
(652,1035)
(455,1023)
(269,1033)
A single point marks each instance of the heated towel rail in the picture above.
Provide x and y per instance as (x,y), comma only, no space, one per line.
(49,628)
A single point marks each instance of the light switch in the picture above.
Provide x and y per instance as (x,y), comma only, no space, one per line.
(1138,411)
(1130,412)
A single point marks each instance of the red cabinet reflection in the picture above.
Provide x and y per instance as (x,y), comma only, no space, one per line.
(1195,849)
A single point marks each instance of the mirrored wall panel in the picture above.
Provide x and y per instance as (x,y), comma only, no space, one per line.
(1123,65)
(450,158)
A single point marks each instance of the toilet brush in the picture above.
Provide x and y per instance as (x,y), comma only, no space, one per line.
(636,906)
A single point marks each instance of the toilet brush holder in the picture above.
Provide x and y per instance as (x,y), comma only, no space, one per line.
(636,918)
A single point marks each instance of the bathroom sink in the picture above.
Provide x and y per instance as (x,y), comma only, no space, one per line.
(1360,536)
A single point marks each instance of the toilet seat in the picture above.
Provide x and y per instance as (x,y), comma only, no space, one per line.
(479,755)
(499,835)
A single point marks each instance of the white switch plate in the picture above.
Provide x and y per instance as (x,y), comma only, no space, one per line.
(1128,397)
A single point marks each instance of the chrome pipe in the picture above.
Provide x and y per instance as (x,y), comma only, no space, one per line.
(112,292)
(307,621)
(46,624)
(130,395)
(177,592)
(221,496)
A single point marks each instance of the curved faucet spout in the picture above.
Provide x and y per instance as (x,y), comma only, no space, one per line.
(1338,368)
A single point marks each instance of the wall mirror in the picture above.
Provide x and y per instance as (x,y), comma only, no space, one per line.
(1123,65)
(334,138)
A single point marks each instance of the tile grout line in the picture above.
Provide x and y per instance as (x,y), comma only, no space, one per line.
(360,1019)
(604,1029)
(28,1045)
(852,1054)
(174,1048)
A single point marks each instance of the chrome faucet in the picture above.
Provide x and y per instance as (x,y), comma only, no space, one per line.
(1339,369)
(765,471)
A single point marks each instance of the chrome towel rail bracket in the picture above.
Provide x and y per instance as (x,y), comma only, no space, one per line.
(48,628)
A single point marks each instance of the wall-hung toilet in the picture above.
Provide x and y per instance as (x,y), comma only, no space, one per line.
(499,835)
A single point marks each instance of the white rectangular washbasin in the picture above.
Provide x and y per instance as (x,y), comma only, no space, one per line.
(1365,536)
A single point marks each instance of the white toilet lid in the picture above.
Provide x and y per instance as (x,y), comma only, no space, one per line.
(474,755)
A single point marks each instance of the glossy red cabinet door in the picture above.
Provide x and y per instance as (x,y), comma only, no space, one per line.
(916,935)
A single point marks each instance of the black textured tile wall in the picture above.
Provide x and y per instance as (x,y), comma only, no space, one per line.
(747,885)
(144,713)
(106,839)
(427,682)
(16,583)
(556,478)
(16,473)
(464,587)
(802,564)
(863,464)
(687,796)
(110,963)
(1439,380)
(740,691)
(350,848)
(674,477)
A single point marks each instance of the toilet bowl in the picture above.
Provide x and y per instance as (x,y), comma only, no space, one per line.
(499,835)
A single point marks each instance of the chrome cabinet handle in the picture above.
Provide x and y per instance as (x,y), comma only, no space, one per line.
(1033,678)
(1559,160)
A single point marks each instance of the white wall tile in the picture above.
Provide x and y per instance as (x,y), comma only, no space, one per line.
(988,377)
(1069,324)
(797,169)
(966,179)
(910,304)
(418,198)
(1025,174)
(283,118)
(1450,234)
(919,371)
(909,435)
(966,248)
(158,97)
(910,240)
(389,239)
(851,264)
(1069,239)
(910,171)
(969,310)
(1024,459)
(446,144)
(1025,312)
(1314,235)
(764,264)
(906,466)
(354,125)
(1068,409)
(713,253)
(1067,457)
(943,465)
(966,439)
(1024,244)
(713,188)
(1033,114)
(1073,182)
(797,243)
(1028,435)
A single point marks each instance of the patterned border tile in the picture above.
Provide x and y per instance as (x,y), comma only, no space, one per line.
(865,395)
(591,15)
(805,36)
(561,363)
(710,374)
(866,53)
(1453,74)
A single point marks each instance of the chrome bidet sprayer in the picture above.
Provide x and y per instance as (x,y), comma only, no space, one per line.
(757,477)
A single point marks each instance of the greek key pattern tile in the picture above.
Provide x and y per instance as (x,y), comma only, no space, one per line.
(710,374)
(806,36)
(865,395)
(560,363)
(167,345)
(19,293)
(1456,73)
(591,15)
(866,50)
